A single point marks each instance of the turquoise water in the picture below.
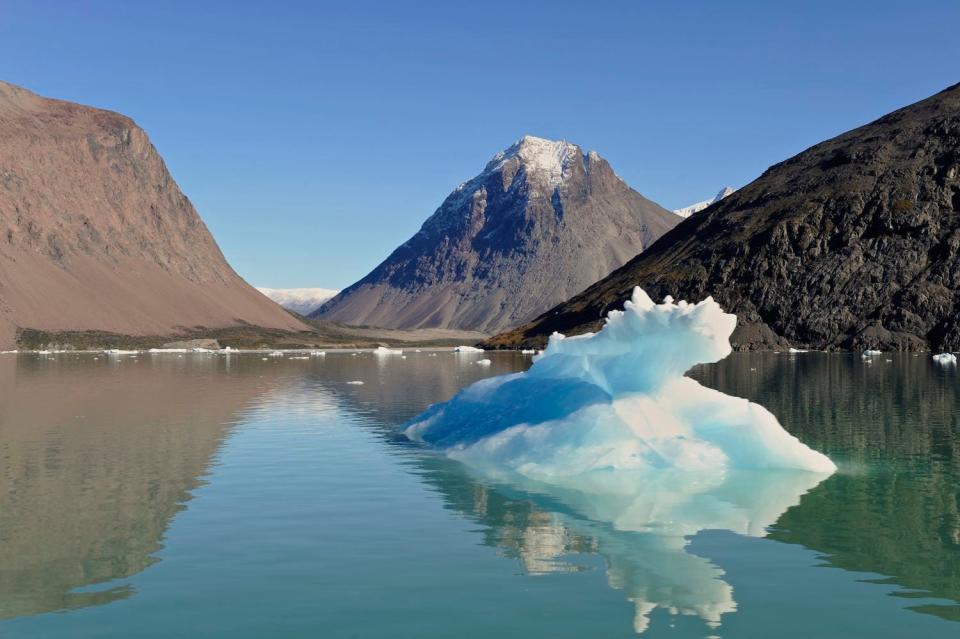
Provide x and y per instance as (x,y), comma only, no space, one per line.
(212,496)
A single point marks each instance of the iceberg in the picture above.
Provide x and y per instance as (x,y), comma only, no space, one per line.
(467,349)
(945,359)
(383,350)
(614,406)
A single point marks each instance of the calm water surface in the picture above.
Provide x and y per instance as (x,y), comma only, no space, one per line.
(242,496)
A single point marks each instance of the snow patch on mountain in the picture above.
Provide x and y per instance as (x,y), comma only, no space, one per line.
(687,211)
(299,300)
(549,158)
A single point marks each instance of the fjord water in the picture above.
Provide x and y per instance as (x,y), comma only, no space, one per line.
(242,496)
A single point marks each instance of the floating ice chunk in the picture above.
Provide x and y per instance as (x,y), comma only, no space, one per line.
(483,362)
(871,353)
(355,382)
(118,351)
(945,359)
(617,400)
(467,349)
(168,350)
(318,353)
(275,354)
(383,350)
(797,350)
(528,351)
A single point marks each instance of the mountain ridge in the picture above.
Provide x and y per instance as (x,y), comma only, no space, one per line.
(542,221)
(96,235)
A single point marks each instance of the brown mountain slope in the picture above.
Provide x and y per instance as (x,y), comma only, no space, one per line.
(853,243)
(540,223)
(96,235)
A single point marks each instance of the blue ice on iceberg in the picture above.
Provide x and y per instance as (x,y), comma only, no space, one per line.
(610,406)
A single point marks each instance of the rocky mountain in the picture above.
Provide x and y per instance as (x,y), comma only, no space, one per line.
(299,300)
(853,243)
(539,224)
(687,211)
(95,234)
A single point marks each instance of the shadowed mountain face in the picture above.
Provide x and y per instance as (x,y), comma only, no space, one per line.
(539,224)
(96,235)
(853,243)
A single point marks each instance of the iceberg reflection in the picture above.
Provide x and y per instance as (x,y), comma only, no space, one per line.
(642,530)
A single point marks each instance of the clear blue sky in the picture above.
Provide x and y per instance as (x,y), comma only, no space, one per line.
(315,137)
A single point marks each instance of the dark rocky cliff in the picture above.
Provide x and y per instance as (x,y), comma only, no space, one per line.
(851,244)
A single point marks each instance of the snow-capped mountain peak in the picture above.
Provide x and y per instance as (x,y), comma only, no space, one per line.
(538,156)
(687,211)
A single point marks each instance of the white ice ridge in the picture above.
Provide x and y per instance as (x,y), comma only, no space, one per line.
(299,300)
(617,400)
(687,211)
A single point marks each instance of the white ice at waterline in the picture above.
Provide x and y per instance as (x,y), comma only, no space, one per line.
(945,359)
(467,349)
(615,405)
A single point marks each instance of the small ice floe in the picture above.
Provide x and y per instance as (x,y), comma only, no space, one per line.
(300,357)
(797,350)
(945,359)
(416,350)
(355,382)
(483,362)
(264,358)
(383,350)
(43,352)
(318,353)
(275,354)
(528,351)
(403,357)
(432,355)
(871,353)
(467,349)
(201,350)
(119,351)
(168,350)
